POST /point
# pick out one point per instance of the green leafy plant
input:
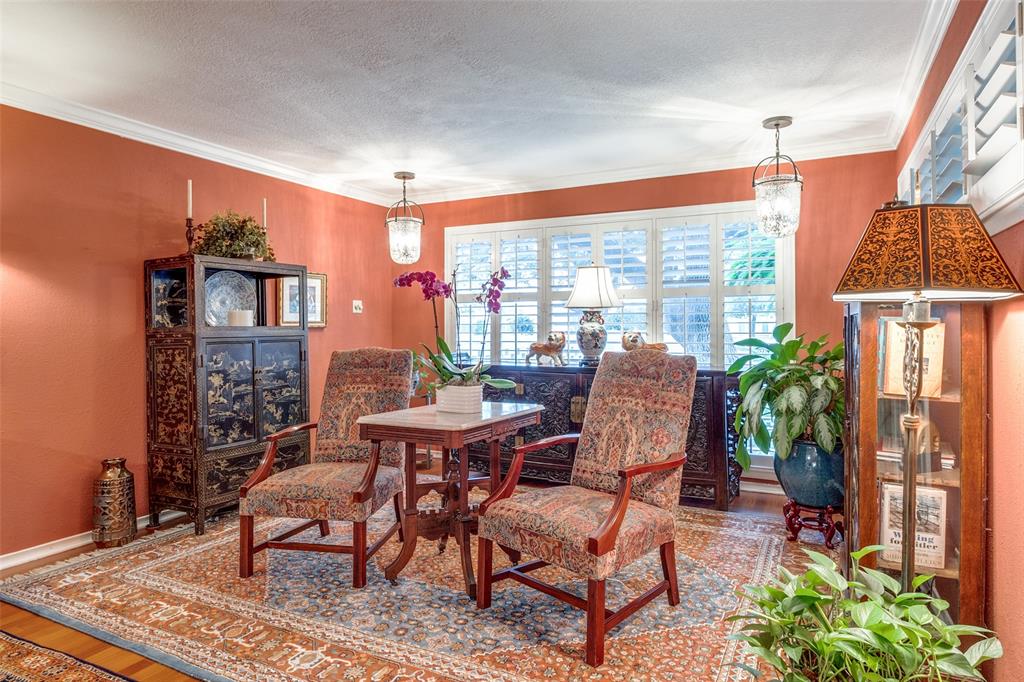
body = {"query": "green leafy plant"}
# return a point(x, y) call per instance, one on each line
point(440, 369)
point(230, 235)
point(818, 626)
point(799, 384)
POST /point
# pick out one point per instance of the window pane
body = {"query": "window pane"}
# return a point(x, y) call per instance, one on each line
point(518, 331)
point(568, 252)
point(568, 321)
point(472, 323)
point(747, 316)
point(686, 325)
point(632, 316)
point(519, 255)
point(625, 252)
point(686, 255)
point(474, 265)
point(748, 256)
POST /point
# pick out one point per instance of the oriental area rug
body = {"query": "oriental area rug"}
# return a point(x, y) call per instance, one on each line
point(23, 661)
point(176, 598)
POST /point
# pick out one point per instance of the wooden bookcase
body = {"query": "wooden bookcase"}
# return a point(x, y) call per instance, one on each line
point(952, 465)
point(214, 392)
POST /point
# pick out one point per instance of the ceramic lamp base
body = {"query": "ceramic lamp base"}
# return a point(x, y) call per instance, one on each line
point(591, 337)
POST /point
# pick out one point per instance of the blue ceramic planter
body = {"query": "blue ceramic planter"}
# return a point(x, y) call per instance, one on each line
point(811, 476)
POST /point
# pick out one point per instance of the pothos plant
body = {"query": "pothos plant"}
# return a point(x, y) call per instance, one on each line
point(799, 384)
point(441, 368)
point(231, 235)
point(819, 626)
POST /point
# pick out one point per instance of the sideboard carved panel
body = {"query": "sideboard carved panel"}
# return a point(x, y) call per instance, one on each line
point(711, 475)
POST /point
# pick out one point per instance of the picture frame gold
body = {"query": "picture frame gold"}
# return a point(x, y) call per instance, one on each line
point(316, 300)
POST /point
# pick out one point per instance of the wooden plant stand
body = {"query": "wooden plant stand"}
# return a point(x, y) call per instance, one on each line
point(820, 519)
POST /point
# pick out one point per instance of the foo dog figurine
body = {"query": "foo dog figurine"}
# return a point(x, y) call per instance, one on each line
point(552, 348)
point(635, 341)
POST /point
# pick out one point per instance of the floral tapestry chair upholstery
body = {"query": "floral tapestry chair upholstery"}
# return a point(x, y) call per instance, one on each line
point(347, 479)
point(620, 501)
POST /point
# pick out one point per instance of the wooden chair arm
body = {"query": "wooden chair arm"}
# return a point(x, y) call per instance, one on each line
point(602, 540)
point(266, 465)
point(548, 442)
point(509, 483)
point(366, 486)
point(637, 469)
point(511, 480)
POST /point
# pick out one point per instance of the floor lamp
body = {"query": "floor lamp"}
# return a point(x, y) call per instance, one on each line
point(915, 255)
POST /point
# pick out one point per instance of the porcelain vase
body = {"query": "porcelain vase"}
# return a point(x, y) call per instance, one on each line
point(811, 476)
point(461, 399)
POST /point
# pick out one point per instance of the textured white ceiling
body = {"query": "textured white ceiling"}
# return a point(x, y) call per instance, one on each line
point(482, 97)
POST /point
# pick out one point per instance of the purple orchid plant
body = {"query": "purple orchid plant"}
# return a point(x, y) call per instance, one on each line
point(447, 370)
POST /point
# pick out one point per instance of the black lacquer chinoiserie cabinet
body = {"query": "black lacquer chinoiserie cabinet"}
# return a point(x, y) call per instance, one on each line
point(214, 391)
point(711, 476)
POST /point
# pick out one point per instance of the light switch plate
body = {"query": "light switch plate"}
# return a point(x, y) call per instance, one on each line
point(357, 306)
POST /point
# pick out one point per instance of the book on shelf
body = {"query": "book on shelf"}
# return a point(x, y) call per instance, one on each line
point(933, 342)
point(931, 525)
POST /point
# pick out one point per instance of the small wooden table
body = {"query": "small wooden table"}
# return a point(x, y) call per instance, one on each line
point(453, 433)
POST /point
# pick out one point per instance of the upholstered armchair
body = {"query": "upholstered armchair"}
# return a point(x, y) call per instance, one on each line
point(622, 493)
point(347, 479)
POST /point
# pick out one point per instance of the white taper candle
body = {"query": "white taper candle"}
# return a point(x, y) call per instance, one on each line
point(189, 199)
point(264, 211)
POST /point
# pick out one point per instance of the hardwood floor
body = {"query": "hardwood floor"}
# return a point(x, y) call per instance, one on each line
point(47, 633)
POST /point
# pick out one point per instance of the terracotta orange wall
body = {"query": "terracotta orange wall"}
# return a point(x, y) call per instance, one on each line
point(840, 194)
point(1006, 465)
point(81, 210)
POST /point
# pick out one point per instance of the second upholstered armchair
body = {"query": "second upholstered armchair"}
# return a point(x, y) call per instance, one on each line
point(620, 503)
point(347, 479)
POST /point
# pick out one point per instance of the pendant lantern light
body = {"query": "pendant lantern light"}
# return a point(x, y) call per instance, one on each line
point(777, 193)
point(404, 225)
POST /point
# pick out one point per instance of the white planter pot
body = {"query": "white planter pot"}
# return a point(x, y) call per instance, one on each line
point(461, 399)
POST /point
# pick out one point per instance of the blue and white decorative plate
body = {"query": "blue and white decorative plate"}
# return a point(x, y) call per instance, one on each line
point(228, 290)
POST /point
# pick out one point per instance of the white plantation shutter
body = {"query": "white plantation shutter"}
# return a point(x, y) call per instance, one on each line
point(696, 278)
point(473, 263)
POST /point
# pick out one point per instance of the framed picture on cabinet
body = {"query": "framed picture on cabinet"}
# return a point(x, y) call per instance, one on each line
point(289, 300)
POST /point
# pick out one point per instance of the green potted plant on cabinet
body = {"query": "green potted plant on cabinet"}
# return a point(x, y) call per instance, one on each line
point(819, 626)
point(792, 401)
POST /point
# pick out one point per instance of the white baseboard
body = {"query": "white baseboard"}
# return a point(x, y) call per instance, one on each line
point(54, 547)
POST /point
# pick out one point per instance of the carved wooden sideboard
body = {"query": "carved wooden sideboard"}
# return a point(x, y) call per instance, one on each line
point(213, 393)
point(711, 477)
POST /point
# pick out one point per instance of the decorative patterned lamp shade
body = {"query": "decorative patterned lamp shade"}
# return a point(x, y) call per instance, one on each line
point(939, 251)
point(404, 225)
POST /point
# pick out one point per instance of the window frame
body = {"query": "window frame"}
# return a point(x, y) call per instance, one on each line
point(654, 293)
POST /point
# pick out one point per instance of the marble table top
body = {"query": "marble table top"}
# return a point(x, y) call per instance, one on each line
point(429, 418)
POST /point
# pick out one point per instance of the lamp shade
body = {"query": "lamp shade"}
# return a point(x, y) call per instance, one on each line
point(940, 251)
point(593, 289)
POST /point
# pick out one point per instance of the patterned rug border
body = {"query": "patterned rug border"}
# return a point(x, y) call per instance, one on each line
point(756, 528)
point(152, 653)
point(63, 654)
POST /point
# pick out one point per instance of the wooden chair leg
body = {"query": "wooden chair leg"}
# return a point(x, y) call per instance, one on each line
point(325, 528)
point(484, 559)
point(595, 622)
point(244, 546)
point(398, 516)
point(668, 567)
point(359, 554)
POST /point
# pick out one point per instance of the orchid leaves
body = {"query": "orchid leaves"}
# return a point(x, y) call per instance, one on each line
point(446, 372)
point(799, 384)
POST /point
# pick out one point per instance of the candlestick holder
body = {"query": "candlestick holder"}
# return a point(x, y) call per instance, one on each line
point(191, 231)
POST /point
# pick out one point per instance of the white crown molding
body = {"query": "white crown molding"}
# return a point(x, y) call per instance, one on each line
point(38, 103)
point(79, 114)
point(822, 150)
point(926, 45)
point(55, 547)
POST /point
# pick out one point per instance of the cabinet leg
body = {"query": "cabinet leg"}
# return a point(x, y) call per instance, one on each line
point(200, 521)
point(154, 520)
